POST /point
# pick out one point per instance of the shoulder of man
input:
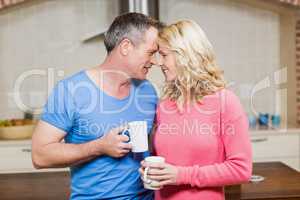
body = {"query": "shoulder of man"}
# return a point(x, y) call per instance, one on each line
point(78, 76)
point(68, 88)
point(145, 85)
point(145, 91)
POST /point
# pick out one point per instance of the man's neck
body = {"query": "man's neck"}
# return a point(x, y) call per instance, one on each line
point(111, 74)
point(110, 78)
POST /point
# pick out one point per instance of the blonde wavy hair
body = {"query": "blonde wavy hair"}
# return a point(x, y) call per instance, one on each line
point(197, 72)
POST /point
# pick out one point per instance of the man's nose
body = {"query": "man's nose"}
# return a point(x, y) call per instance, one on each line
point(153, 59)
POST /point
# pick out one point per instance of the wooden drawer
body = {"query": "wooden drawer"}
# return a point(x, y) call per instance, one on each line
point(275, 146)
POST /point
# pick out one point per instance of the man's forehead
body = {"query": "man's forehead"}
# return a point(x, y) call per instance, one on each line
point(152, 45)
point(151, 34)
point(150, 39)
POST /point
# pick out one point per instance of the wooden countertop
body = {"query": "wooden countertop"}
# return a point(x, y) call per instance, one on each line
point(34, 186)
point(281, 182)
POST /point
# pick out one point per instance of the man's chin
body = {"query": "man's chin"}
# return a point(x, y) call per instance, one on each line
point(138, 76)
point(141, 77)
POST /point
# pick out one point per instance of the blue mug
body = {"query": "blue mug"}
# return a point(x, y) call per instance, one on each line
point(252, 121)
point(263, 119)
point(276, 119)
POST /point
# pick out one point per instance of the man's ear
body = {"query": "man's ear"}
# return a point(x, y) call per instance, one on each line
point(125, 47)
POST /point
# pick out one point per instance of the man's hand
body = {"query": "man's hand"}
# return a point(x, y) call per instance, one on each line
point(113, 144)
point(48, 151)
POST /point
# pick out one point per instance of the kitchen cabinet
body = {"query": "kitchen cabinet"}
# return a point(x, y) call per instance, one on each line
point(272, 145)
point(16, 157)
point(267, 145)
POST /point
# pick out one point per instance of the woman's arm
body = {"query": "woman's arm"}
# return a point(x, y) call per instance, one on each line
point(236, 168)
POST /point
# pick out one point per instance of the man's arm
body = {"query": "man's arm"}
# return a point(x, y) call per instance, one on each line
point(48, 151)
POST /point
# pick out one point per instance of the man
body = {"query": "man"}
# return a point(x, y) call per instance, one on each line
point(88, 109)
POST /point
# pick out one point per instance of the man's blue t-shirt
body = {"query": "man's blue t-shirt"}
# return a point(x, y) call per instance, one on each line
point(81, 109)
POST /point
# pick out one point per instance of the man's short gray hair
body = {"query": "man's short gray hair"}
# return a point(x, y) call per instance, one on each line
point(131, 26)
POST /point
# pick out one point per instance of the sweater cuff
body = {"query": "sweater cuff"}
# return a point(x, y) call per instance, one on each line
point(182, 176)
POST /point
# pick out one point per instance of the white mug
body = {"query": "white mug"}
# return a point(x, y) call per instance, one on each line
point(138, 136)
point(148, 183)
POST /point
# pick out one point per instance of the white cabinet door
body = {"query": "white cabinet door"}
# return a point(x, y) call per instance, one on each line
point(275, 146)
point(14, 158)
point(283, 148)
point(17, 159)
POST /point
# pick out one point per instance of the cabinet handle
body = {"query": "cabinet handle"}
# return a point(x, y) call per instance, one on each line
point(259, 140)
point(26, 150)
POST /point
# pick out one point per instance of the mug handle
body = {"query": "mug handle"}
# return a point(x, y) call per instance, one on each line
point(126, 132)
point(146, 180)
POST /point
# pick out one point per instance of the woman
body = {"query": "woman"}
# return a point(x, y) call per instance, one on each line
point(202, 130)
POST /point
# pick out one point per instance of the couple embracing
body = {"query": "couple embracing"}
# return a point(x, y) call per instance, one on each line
point(198, 128)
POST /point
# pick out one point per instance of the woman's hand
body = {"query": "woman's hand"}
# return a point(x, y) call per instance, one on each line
point(164, 173)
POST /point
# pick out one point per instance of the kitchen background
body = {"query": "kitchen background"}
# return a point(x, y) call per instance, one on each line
point(255, 42)
point(50, 34)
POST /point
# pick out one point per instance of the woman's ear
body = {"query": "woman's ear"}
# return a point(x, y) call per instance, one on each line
point(125, 47)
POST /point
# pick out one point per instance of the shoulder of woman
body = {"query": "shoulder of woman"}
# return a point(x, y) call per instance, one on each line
point(231, 106)
point(166, 103)
point(228, 96)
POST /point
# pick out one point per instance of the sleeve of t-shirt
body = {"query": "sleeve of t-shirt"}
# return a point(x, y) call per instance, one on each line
point(59, 109)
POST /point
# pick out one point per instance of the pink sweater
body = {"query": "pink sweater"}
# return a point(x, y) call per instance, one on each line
point(208, 156)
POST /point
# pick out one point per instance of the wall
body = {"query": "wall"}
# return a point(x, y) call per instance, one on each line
point(47, 34)
point(7, 3)
point(246, 36)
point(288, 59)
point(287, 87)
